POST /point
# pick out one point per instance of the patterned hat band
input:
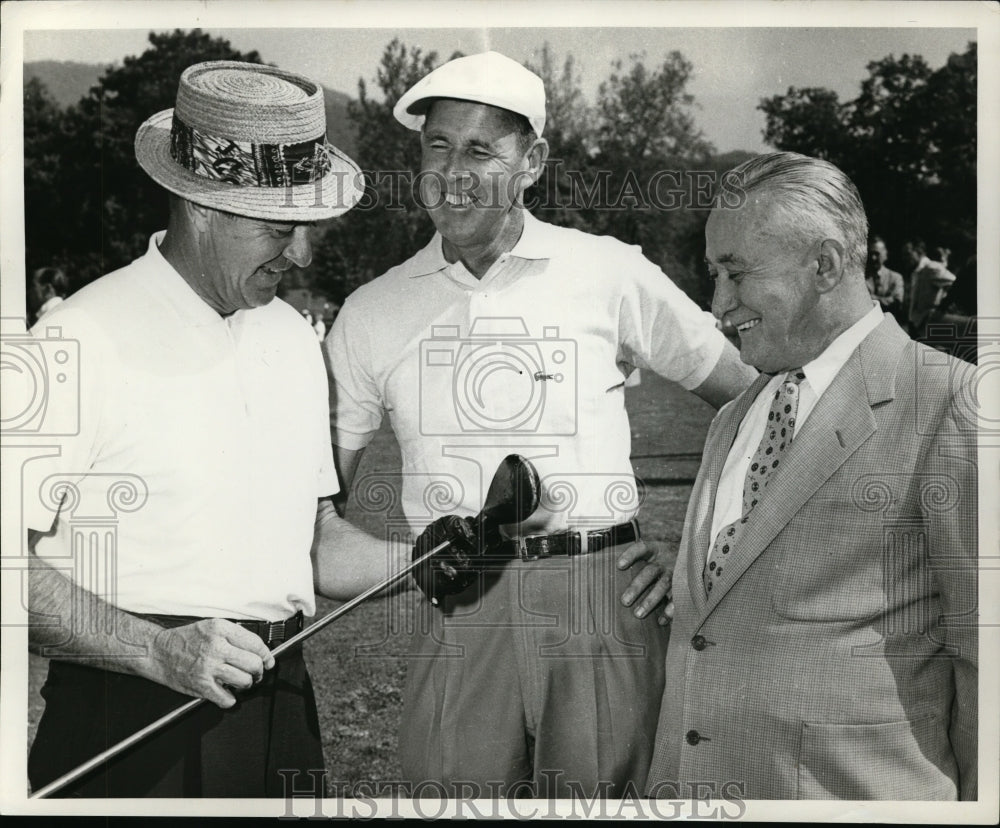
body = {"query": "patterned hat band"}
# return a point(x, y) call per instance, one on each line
point(245, 163)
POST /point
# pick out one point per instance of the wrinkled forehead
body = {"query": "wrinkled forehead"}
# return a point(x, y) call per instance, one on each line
point(754, 215)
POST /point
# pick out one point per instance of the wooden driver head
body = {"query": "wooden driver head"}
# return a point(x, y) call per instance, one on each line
point(515, 491)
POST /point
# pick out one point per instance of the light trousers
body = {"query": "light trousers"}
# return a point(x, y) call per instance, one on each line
point(536, 681)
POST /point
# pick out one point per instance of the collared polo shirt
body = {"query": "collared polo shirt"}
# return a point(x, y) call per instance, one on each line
point(530, 359)
point(820, 373)
point(199, 451)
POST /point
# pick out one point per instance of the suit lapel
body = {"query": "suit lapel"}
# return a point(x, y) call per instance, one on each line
point(841, 421)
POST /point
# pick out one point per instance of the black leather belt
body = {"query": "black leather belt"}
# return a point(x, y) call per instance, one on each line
point(532, 547)
point(272, 633)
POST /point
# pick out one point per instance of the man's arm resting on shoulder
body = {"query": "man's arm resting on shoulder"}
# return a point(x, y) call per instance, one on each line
point(729, 378)
point(203, 659)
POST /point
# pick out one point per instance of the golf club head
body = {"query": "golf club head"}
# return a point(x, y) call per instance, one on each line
point(515, 491)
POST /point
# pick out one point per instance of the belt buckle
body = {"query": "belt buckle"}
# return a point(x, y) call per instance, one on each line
point(275, 632)
point(525, 554)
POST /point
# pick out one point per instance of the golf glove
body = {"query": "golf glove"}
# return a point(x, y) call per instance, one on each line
point(456, 566)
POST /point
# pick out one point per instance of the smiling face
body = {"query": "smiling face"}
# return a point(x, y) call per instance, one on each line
point(474, 168)
point(765, 286)
point(242, 259)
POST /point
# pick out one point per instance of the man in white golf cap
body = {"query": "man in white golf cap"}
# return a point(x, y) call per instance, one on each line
point(506, 334)
point(202, 425)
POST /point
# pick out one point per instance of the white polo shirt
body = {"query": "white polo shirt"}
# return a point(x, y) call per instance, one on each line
point(202, 447)
point(532, 359)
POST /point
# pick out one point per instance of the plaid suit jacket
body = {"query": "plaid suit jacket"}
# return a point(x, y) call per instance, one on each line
point(838, 656)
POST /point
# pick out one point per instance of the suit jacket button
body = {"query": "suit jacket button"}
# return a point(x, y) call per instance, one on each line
point(692, 737)
point(698, 642)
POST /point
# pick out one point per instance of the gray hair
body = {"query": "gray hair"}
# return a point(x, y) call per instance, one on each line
point(816, 198)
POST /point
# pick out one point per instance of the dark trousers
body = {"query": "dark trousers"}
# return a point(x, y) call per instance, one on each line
point(209, 752)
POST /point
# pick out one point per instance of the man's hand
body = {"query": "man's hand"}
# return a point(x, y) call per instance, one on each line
point(652, 583)
point(455, 567)
point(210, 658)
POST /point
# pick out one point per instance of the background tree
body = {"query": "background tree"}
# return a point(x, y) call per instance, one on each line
point(570, 133)
point(632, 164)
point(387, 226)
point(47, 207)
point(647, 139)
point(811, 119)
point(908, 140)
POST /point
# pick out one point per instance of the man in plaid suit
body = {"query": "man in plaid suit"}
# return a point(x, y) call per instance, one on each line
point(824, 641)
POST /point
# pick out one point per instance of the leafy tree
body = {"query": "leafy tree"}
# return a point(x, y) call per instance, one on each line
point(43, 147)
point(810, 119)
point(569, 132)
point(654, 155)
point(112, 205)
point(908, 141)
point(647, 114)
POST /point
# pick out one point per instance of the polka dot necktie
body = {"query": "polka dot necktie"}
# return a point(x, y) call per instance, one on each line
point(777, 437)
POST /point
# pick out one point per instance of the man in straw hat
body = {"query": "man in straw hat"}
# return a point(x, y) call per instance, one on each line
point(506, 334)
point(202, 423)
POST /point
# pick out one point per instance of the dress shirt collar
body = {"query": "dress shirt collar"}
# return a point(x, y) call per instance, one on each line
point(821, 371)
point(535, 243)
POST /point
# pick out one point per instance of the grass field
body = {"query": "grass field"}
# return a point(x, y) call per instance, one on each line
point(357, 665)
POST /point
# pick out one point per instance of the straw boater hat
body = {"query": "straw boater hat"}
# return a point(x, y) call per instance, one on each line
point(489, 78)
point(249, 139)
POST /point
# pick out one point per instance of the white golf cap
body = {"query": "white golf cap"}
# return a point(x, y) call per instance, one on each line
point(488, 78)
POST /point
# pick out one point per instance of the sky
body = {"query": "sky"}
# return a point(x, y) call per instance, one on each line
point(733, 68)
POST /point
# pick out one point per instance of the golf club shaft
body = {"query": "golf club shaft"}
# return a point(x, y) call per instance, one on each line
point(347, 606)
point(114, 750)
point(187, 707)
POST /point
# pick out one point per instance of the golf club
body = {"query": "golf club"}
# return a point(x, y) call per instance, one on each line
point(512, 497)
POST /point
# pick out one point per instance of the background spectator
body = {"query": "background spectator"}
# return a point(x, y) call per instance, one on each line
point(884, 284)
point(49, 286)
point(929, 284)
